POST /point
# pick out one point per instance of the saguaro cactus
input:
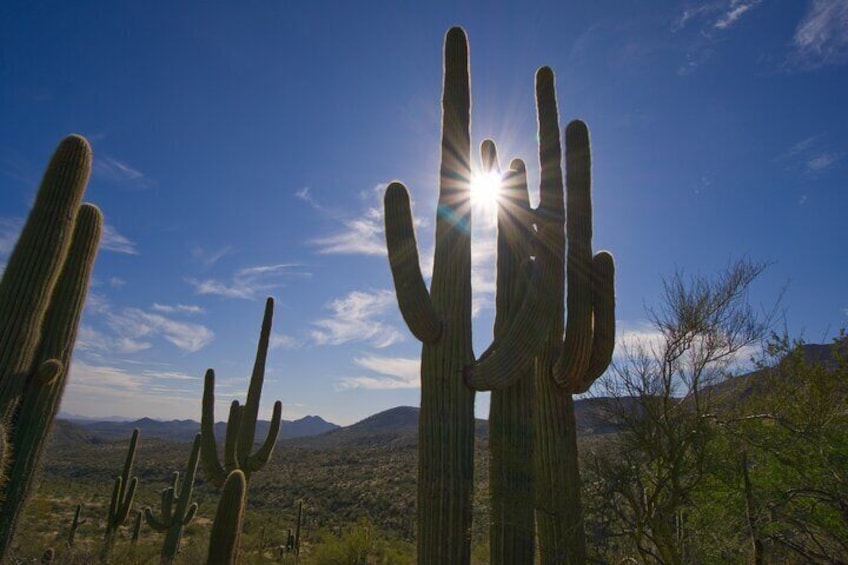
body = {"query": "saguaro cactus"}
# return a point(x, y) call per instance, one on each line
point(566, 365)
point(75, 524)
point(241, 424)
point(175, 518)
point(41, 300)
point(512, 522)
point(123, 494)
point(226, 529)
point(441, 319)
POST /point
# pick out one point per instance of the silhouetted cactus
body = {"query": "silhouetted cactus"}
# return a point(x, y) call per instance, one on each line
point(75, 524)
point(241, 424)
point(136, 531)
point(175, 518)
point(41, 299)
point(570, 364)
point(226, 529)
point(441, 319)
point(121, 502)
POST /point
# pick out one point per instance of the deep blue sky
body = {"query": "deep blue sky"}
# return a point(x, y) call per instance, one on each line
point(241, 151)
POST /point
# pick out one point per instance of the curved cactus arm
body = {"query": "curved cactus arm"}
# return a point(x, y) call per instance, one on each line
point(226, 529)
point(168, 496)
point(414, 301)
point(258, 460)
point(212, 467)
point(128, 501)
point(234, 421)
point(190, 513)
point(573, 360)
point(114, 504)
point(603, 307)
point(250, 412)
point(154, 522)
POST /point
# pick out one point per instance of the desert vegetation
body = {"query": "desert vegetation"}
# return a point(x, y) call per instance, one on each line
point(685, 461)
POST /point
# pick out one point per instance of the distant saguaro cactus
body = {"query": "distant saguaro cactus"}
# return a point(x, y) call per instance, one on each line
point(121, 502)
point(226, 529)
point(241, 424)
point(75, 524)
point(567, 365)
point(41, 300)
point(441, 319)
point(175, 518)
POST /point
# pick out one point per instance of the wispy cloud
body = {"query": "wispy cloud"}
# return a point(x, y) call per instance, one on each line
point(284, 341)
point(821, 37)
point(359, 235)
point(393, 373)
point(734, 12)
point(117, 282)
point(112, 170)
point(813, 156)
point(111, 240)
point(208, 258)
point(177, 308)
point(357, 317)
point(251, 282)
point(131, 330)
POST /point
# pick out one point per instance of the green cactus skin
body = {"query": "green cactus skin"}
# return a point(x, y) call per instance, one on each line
point(441, 319)
point(175, 518)
point(241, 424)
point(566, 365)
point(226, 529)
point(123, 494)
point(75, 524)
point(136, 531)
point(41, 301)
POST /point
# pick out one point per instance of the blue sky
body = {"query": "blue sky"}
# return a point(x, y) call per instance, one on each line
point(241, 151)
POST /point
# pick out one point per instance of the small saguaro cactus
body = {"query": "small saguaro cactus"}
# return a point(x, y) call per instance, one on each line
point(566, 365)
point(41, 300)
point(226, 529)
point(241, 424)
point(75, 524)
point(441, 319)
point(176, 517)
point(136, 531)
point(123, 494)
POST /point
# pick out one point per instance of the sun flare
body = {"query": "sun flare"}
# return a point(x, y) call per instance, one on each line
point(485, 188)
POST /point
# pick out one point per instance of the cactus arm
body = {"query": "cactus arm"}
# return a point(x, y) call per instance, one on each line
point(168, 495)
point(258, 460)
point(231, 462)
point(154, 522)
point(190, 513)
point(573, 360)
point(35, 265)
point(113, 505)
point(414, 301)
point(603, 307)
point(226, 528)
point(128, 501)
point(250, 413)
point(212, 467)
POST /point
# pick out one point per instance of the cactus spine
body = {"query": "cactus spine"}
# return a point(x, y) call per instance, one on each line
point(175, 518)
point(441, 319)
point(122, 498)
point(226, 529)
point(41, 300)
point(241, 424)
point(567, 365)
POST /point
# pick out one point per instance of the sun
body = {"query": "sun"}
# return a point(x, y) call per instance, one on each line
point(485, 189)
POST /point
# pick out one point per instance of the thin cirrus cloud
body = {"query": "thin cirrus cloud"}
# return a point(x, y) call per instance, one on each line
point(812, 156)
point(720, 15)
point(111, 240)
point(821, 37)
point(392, 373)
point(119, 172)
point(177, 308)
point(249, 283)
point(357, 317)
point(130, 330)
point(361, 235)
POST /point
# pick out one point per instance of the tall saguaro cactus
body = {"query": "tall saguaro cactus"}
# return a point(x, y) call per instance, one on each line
point(123, 494)
point(176, 517)
point(41, 301)
point(241, 425)
point(568, 364)
point(441, 319)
